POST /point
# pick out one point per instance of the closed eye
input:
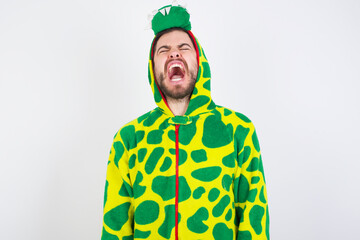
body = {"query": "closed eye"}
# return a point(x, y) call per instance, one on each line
point(184, 46)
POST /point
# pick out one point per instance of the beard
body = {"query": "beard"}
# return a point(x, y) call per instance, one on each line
point(179, 92)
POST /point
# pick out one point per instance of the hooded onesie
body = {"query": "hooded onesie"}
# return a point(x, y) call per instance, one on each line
point(196, 176)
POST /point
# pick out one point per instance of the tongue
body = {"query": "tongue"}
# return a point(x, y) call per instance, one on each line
point(176, 77)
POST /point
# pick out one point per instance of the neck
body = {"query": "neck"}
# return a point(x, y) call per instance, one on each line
point(178, 106)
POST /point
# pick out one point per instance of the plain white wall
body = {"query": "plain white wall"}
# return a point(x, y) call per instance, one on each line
point(73, 72)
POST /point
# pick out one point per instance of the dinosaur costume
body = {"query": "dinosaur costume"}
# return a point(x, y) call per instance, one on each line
point(197, 176)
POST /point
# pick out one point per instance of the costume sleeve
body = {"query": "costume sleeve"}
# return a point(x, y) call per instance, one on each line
point(118, 199)
point(252, 217)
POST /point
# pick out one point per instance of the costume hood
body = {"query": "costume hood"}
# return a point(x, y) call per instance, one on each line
point(200, 101)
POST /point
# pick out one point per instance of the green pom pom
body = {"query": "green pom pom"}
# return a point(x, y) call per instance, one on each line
point(169, 17)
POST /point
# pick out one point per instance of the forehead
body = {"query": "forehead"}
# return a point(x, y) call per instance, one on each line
point(175, 37)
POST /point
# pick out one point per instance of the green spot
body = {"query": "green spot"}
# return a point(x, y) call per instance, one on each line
point(169, 222)
point(239, 216)
point(106, 189)
point(206, 70)
point(195, 222)
point(127, 134)
point(215, 133)
point(107, 236)
point(255, 142)
point(229, 160)
point(197, 103)
point(164, 187)
point(262, 195)
point(146, 212)
point(254, 165)
point(228, 215)
point(138, 190)
point(187, 132)
point(211, 106)
point(141, 234)
point(256, 214)
point(132, 161)
point(166, 164)
point(221, 232)
point(243, 117)
point(226, 182)
point(143, 117)
point(255, 180)
point(171, 135)
point(227, 112)
point(199, 47)
point(241, 189)
point(117, 217)
point(153, 159)
point(252, 195)
point(126, 190)
point(199, 155)
point(261, 169)
point(207, 85)
point(164, 124)
point(130, 237)
point(220, 207)
point(244, 155)
point(152, 118)
point(184, 189)
point(141, 154)
point(119, 151)
point(198, 192)
point(207, 174)
point(182, 155)
point(155, 137)
point(195, 91)
point(240, 135)
point(157, 95)
point(139, 136)
point(213, 194)
point(244, 235)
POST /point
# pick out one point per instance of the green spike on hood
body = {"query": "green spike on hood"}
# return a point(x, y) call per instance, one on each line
point(200, 101)
point(170, 16)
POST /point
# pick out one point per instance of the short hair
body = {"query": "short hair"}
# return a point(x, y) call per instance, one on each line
point(159, 35)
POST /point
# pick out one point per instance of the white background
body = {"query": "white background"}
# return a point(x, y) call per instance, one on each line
point(73, 72)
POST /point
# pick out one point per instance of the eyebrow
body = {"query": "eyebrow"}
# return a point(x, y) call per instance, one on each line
point(167, 47)
point(163, 46)
point(184, 44)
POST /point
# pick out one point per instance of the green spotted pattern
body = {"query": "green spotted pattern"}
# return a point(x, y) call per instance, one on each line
point(195, 222)
point(207, 174)
point(198, 192)
point(115, 218)
point(146, 212)
point(219, 209)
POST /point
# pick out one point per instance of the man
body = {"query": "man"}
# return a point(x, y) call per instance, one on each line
point(188, 169)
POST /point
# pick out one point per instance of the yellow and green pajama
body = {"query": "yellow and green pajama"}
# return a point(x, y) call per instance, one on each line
point(197, 176)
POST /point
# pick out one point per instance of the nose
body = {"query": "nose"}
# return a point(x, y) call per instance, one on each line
point(174, 54)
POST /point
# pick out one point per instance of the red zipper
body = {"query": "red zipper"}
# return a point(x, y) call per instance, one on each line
point(177, 180)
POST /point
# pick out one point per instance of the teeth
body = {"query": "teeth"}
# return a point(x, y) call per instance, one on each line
point(175, 79)
point(176, 65)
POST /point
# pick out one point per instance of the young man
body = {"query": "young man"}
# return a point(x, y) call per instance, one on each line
point(188, 169)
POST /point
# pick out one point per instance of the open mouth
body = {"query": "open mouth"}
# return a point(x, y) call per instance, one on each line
point(176, 71)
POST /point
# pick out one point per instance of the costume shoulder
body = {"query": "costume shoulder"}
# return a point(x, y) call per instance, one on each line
point(133, 131)
point(233, 116)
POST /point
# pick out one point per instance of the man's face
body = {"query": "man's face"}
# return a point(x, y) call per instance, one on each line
point(175, 64)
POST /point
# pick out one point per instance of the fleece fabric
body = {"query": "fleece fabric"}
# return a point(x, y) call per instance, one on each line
point(197, 176)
